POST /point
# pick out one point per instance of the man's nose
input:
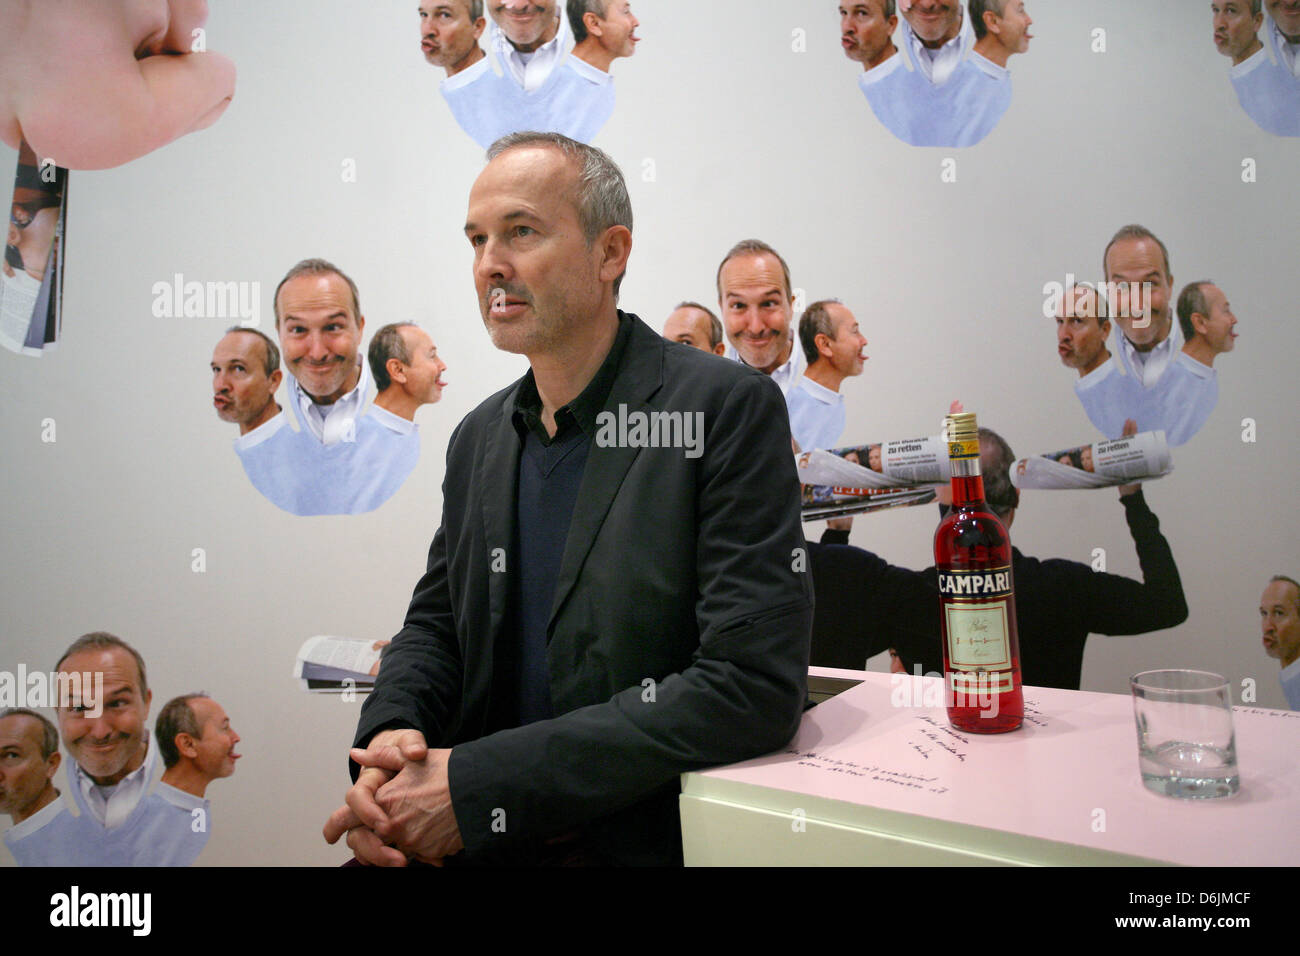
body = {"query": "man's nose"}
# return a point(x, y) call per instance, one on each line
point(492, 262)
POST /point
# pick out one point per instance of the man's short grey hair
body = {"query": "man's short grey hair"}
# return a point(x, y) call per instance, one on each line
point(475, 9)
point(317, 267)
point(578, 8)
point(977, 9)
point(715, 324)
point(272, 361)
point(816, 320)
point(176, 717)
point(49, 733)
point(1134, 231)
point(1291, 581)
point(102, 641)
point(388, 343)
point(602, 198)
point(1190, 302)
point(754, 247)
point(1256, 7)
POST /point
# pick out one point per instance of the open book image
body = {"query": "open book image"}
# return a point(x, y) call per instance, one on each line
point(332, 665)
point(31, 276)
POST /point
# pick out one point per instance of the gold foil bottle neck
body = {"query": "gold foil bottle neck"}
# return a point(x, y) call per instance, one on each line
point(961, 427)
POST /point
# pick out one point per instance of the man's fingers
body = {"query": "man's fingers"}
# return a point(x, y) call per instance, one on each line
point(381, 758)
point(369, 848)
point(340, 822)
point(361, 800)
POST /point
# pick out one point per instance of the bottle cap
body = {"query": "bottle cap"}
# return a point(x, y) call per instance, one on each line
point(963, 435)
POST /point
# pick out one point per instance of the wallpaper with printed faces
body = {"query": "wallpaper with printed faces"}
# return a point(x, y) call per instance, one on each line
point(217, 474)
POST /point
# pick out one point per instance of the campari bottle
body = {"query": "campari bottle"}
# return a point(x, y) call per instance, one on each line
point(972, 553)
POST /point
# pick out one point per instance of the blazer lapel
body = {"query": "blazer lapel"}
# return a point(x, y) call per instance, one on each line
point(639, 377)
point(498, 494)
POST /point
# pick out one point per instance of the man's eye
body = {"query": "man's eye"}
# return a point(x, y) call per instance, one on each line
point(524, 230)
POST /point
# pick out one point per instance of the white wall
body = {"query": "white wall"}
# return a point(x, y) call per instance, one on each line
point(746, 138)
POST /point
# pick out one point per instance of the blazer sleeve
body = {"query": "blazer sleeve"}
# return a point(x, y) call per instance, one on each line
point(743, 691)
point(419, 680)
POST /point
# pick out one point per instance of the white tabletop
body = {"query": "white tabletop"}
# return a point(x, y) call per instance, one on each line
point(1069, 776)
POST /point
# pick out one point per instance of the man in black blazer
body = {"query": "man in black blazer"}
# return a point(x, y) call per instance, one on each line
point(618, 592)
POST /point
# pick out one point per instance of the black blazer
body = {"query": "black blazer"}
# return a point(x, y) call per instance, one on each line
point(680, 628)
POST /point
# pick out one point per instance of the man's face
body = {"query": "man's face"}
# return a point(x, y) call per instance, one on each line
point(33, 242)
point(524, 22)
point(848, 347)
point(691, 327)
point(1286, 14)
point(1080, 334)
point(933, 20)
point(618, 29)
point(216, 746)
point(1014, 27)
point(538, 280)
point(105, 746)
point(1279, 619)
point(1218, 327)
point(1235, 30)
point(319, 333)
point(447, 34)
point(864, 31)
point(23, 772)
point(1129, 264)
point(756, 309)
point(424, 375)
point(241, 389)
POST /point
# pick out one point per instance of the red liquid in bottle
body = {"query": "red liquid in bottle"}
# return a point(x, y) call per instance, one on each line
point(981, 651)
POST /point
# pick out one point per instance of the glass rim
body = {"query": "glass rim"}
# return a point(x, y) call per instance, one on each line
point(1214, 681)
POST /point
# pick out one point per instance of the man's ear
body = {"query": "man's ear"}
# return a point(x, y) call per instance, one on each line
point(479, 26)
point(52, 764)
point(396, 371)
point(185, 745)
point(720, 348)
point(1199, 323)
point(616, 247)
point(991, 22)
point(592, 23)
point(276, 378)
point(823, 343)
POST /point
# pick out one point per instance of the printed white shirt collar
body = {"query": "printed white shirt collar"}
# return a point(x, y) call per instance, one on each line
point(819, 391)
point(1250, 64)
point(262, 432)
point(40, 818)
point(530, 70)
point(787, 375)
point(112, 805)
point(331, 424)
point(180, 798)
point(1147, 367)
point(468, 75)
point(392, 422)
point(937, 66)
